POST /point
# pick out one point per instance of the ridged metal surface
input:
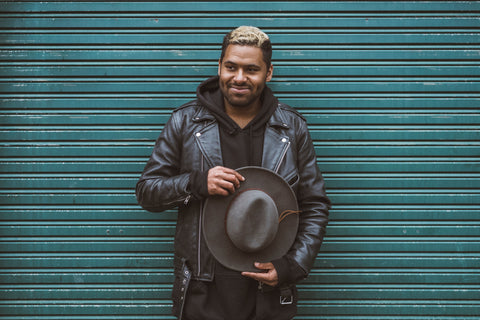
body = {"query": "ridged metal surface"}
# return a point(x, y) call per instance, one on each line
point(391, 94)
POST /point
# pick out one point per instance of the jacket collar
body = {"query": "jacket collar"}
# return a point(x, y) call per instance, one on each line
point(277, 120)
point(202, 114)
point(276, 142)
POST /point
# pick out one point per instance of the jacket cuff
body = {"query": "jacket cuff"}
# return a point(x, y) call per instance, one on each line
point(288, 271)
point(198, 184)
point(282, 267)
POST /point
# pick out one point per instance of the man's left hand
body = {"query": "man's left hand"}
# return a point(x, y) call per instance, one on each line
point(269, 275)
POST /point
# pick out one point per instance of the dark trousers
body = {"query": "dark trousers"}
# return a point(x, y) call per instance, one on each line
point(231, 296)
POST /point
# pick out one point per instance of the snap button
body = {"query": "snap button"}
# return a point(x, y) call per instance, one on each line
point(198, 134)
point(284, 140)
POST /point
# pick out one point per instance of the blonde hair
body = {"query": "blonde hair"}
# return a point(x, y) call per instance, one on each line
point(249, 36)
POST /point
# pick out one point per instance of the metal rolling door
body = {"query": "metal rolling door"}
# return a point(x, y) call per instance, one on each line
point(391, 94)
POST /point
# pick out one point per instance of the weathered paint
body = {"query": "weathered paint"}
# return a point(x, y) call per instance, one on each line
point(391, 94)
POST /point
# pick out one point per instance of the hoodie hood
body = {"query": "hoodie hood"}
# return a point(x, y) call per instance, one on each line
point(210, 95)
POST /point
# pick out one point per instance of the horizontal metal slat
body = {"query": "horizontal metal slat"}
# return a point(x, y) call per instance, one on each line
point(340, 197)
point(314, 71)
point(393, 308)
point(358, 212)
point(154, 121)
point(376, 149)
point(334, 181)
point(386, 292)
point(199, 54)
point(425, 229)
point(44, 261)
point(87, 294)
point(132, 133)
point(20, 87)
point(320, 277)
point(305, 104)
point(75, 212)
point(258, 6)
point(339, 164)
point(325, 293)
point(193, 37)
point(95, 307)
point(47, 261)
point(221, 20)
point(157, 244)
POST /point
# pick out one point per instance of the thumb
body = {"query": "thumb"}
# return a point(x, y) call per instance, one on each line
point(263, 266)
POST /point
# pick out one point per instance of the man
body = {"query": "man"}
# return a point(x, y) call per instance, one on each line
point(236, 121)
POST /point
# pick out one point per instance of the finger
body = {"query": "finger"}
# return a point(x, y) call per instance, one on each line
point(223, 173)
point(255, 275)
point(215, 182)
point(238, 176)
point(266, 278)
point(226, 185)
point(216, 191)
point(223, 181)
point(220, 187)
point(264, 265)
point(233, 176)
point(268, 272)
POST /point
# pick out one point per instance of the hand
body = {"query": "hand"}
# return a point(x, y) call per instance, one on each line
point(223, 181)
point(269, 276)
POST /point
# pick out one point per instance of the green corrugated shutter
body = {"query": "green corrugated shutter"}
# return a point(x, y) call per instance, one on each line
point(391, 94)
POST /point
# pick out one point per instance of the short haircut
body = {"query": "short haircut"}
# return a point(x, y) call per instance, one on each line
point(249, 36)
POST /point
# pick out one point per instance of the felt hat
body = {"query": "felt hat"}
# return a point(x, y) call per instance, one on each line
point(257, 223)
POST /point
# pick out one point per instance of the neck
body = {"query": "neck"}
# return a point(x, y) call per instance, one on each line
point(243, 115)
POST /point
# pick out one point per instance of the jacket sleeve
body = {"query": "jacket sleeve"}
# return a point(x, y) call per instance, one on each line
point(313, 203)
point(162, 186)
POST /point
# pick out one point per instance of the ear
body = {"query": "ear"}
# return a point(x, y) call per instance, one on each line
point(219, 66)
point(269, 73)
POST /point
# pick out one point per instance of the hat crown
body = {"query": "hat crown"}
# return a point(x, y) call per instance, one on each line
point(251, 222)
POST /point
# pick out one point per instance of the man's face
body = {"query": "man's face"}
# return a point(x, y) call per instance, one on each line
point(243, 75)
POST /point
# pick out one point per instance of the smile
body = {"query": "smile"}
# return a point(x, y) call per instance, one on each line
point(239, 90)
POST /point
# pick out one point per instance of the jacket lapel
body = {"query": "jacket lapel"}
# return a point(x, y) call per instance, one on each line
point(276, 142)
point(208, 138)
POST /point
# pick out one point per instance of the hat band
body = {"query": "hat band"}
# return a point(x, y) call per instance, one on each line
point(286, 213)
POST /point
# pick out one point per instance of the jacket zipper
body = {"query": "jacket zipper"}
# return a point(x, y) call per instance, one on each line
point(200, 220)
point(284, 152)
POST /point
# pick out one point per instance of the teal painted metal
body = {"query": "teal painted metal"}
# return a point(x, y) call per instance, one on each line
point(392, 96)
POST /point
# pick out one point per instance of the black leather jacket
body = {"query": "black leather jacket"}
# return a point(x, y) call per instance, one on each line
point(190, 141)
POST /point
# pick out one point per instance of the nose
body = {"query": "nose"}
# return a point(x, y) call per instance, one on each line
point(239, 76)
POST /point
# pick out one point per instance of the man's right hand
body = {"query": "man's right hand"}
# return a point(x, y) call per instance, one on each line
point(223, 181)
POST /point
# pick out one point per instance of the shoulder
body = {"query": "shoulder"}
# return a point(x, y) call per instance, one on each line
point(290, 111)
point(292, 117)
point(186, 112)
point(189, 107)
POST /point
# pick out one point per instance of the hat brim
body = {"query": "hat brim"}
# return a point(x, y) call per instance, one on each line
point(215, 209)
